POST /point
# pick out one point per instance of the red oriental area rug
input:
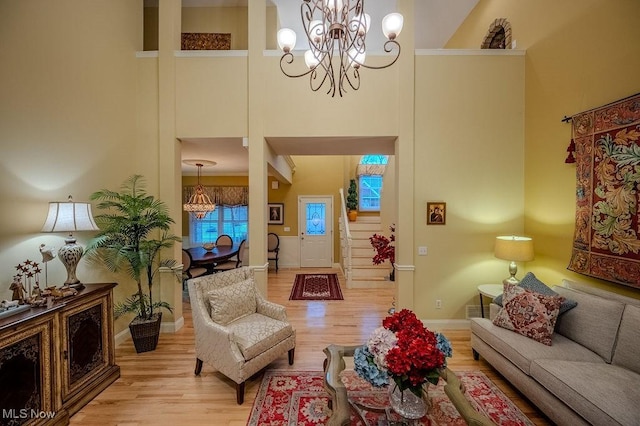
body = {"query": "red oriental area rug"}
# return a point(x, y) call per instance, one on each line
point(316, 287)
point(297, 398)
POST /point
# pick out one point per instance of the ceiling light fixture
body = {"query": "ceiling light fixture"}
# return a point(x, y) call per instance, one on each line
point(337, 26)
point(199, 204)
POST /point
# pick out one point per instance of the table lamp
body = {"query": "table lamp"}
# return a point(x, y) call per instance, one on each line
point(70, 217)
point(514, 249)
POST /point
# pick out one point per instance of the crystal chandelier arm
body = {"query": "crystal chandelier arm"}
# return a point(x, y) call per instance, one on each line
point(354, 80)
point(288, 58)
point(388, 47)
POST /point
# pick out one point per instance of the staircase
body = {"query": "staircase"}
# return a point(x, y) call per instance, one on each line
point(363, 273)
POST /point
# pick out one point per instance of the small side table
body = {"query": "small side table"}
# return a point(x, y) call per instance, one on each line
point(489, 290)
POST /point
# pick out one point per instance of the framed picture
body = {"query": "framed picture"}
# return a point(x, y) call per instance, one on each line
point(436, 213)
point(276, 214)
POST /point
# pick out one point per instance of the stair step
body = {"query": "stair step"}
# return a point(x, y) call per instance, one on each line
point(362, 261)
point(354, 226)
point(357, 273)
point(367, 219)
point(361, 243)
point(358, 251)
point(372, 282)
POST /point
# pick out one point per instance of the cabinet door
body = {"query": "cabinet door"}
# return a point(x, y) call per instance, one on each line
point(26, 374)
point(85, 344)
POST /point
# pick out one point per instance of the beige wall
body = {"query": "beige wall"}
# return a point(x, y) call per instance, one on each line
point(580, 55)
point(68, 122)
point(218, 20)
point(292, 109)
point(211, 20)
point(211, 97)
point(469, 154)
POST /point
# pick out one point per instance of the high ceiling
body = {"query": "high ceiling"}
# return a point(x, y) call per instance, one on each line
point(436, 21)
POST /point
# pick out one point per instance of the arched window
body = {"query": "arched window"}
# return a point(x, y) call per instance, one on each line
point(370, 172)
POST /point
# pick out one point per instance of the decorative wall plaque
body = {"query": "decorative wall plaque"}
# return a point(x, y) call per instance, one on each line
point(206, 41)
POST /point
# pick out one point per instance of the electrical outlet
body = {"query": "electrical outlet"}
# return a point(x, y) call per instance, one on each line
point(422, 251)
point(438, 304)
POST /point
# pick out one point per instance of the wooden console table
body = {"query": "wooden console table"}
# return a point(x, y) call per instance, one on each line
point(55, 359)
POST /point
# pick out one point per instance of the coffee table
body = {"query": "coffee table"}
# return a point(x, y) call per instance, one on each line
point(342, 406)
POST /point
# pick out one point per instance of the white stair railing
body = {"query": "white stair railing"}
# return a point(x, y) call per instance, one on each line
point(345, 240)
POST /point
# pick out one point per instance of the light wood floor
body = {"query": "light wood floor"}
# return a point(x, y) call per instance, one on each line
point(159, 387)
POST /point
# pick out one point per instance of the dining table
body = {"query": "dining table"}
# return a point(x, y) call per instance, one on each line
point(208, 258)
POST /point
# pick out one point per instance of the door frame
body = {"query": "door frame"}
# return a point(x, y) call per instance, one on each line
point(330, 225)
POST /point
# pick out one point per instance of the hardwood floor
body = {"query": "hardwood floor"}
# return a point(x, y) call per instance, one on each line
point(160, 388)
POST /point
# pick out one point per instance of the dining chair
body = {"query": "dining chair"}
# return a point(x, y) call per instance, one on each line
point(273, 247)
point(224, 240)
point(233, 262)
point(188, 269)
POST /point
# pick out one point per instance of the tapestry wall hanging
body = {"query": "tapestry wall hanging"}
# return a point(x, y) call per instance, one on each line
point(607, 231)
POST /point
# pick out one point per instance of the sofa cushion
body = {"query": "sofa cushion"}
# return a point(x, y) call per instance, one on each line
point(593, 323)
point(521, 350)
point(530, 314)
point(233, 301)
point(531, 282)
point(603, 394)
point(256, 333)
point(628, 344)
point(585, 288)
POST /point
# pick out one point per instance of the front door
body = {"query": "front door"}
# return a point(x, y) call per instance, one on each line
point(315, 225)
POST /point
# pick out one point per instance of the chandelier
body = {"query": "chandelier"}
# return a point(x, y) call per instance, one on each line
point(199, 204)
point(337, 27)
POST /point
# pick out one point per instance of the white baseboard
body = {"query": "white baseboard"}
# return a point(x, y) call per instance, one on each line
point(165, 327)
point(172, 327)
point(449, 324)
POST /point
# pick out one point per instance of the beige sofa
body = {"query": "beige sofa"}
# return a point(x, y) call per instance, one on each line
point(591, 372)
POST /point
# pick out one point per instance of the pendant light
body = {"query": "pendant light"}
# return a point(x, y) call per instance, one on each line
point(199, 204)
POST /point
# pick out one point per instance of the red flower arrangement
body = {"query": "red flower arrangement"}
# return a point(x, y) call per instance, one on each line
point(384, 247)
point(416, 356)
point(404, 350)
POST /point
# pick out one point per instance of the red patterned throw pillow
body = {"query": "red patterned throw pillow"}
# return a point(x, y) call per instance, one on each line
point(528, 313)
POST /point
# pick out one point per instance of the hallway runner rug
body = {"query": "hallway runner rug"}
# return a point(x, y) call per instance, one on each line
point(316, 287)
point(298, 398)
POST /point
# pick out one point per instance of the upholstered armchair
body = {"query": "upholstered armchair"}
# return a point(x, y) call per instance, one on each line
point(237, 331)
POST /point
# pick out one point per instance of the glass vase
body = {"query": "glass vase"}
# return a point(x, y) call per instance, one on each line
point(406, 403)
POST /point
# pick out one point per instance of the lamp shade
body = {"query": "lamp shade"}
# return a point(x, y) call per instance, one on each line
point(69, 216)
point(392, 25)
point(310, 59)
point(286, 39)
point(513, 248)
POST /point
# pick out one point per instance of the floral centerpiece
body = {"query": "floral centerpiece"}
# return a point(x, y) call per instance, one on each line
point(405, 351)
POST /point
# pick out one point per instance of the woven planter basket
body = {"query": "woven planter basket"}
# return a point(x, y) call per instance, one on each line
point(145, 333)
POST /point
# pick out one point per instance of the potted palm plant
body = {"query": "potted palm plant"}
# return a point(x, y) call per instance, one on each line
point(352, 201)
point(133, 231)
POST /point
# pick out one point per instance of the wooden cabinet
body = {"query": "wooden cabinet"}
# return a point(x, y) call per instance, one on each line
point(55, 359)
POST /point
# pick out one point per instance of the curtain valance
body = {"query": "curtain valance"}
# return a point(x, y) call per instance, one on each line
point(222, 195)
point(370, 169)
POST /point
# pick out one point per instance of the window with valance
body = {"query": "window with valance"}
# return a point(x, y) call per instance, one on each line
point(230, 217)
point(370, 172)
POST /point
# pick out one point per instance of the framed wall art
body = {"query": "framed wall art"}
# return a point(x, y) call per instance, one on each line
point(436, 213)
point(276, 214)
